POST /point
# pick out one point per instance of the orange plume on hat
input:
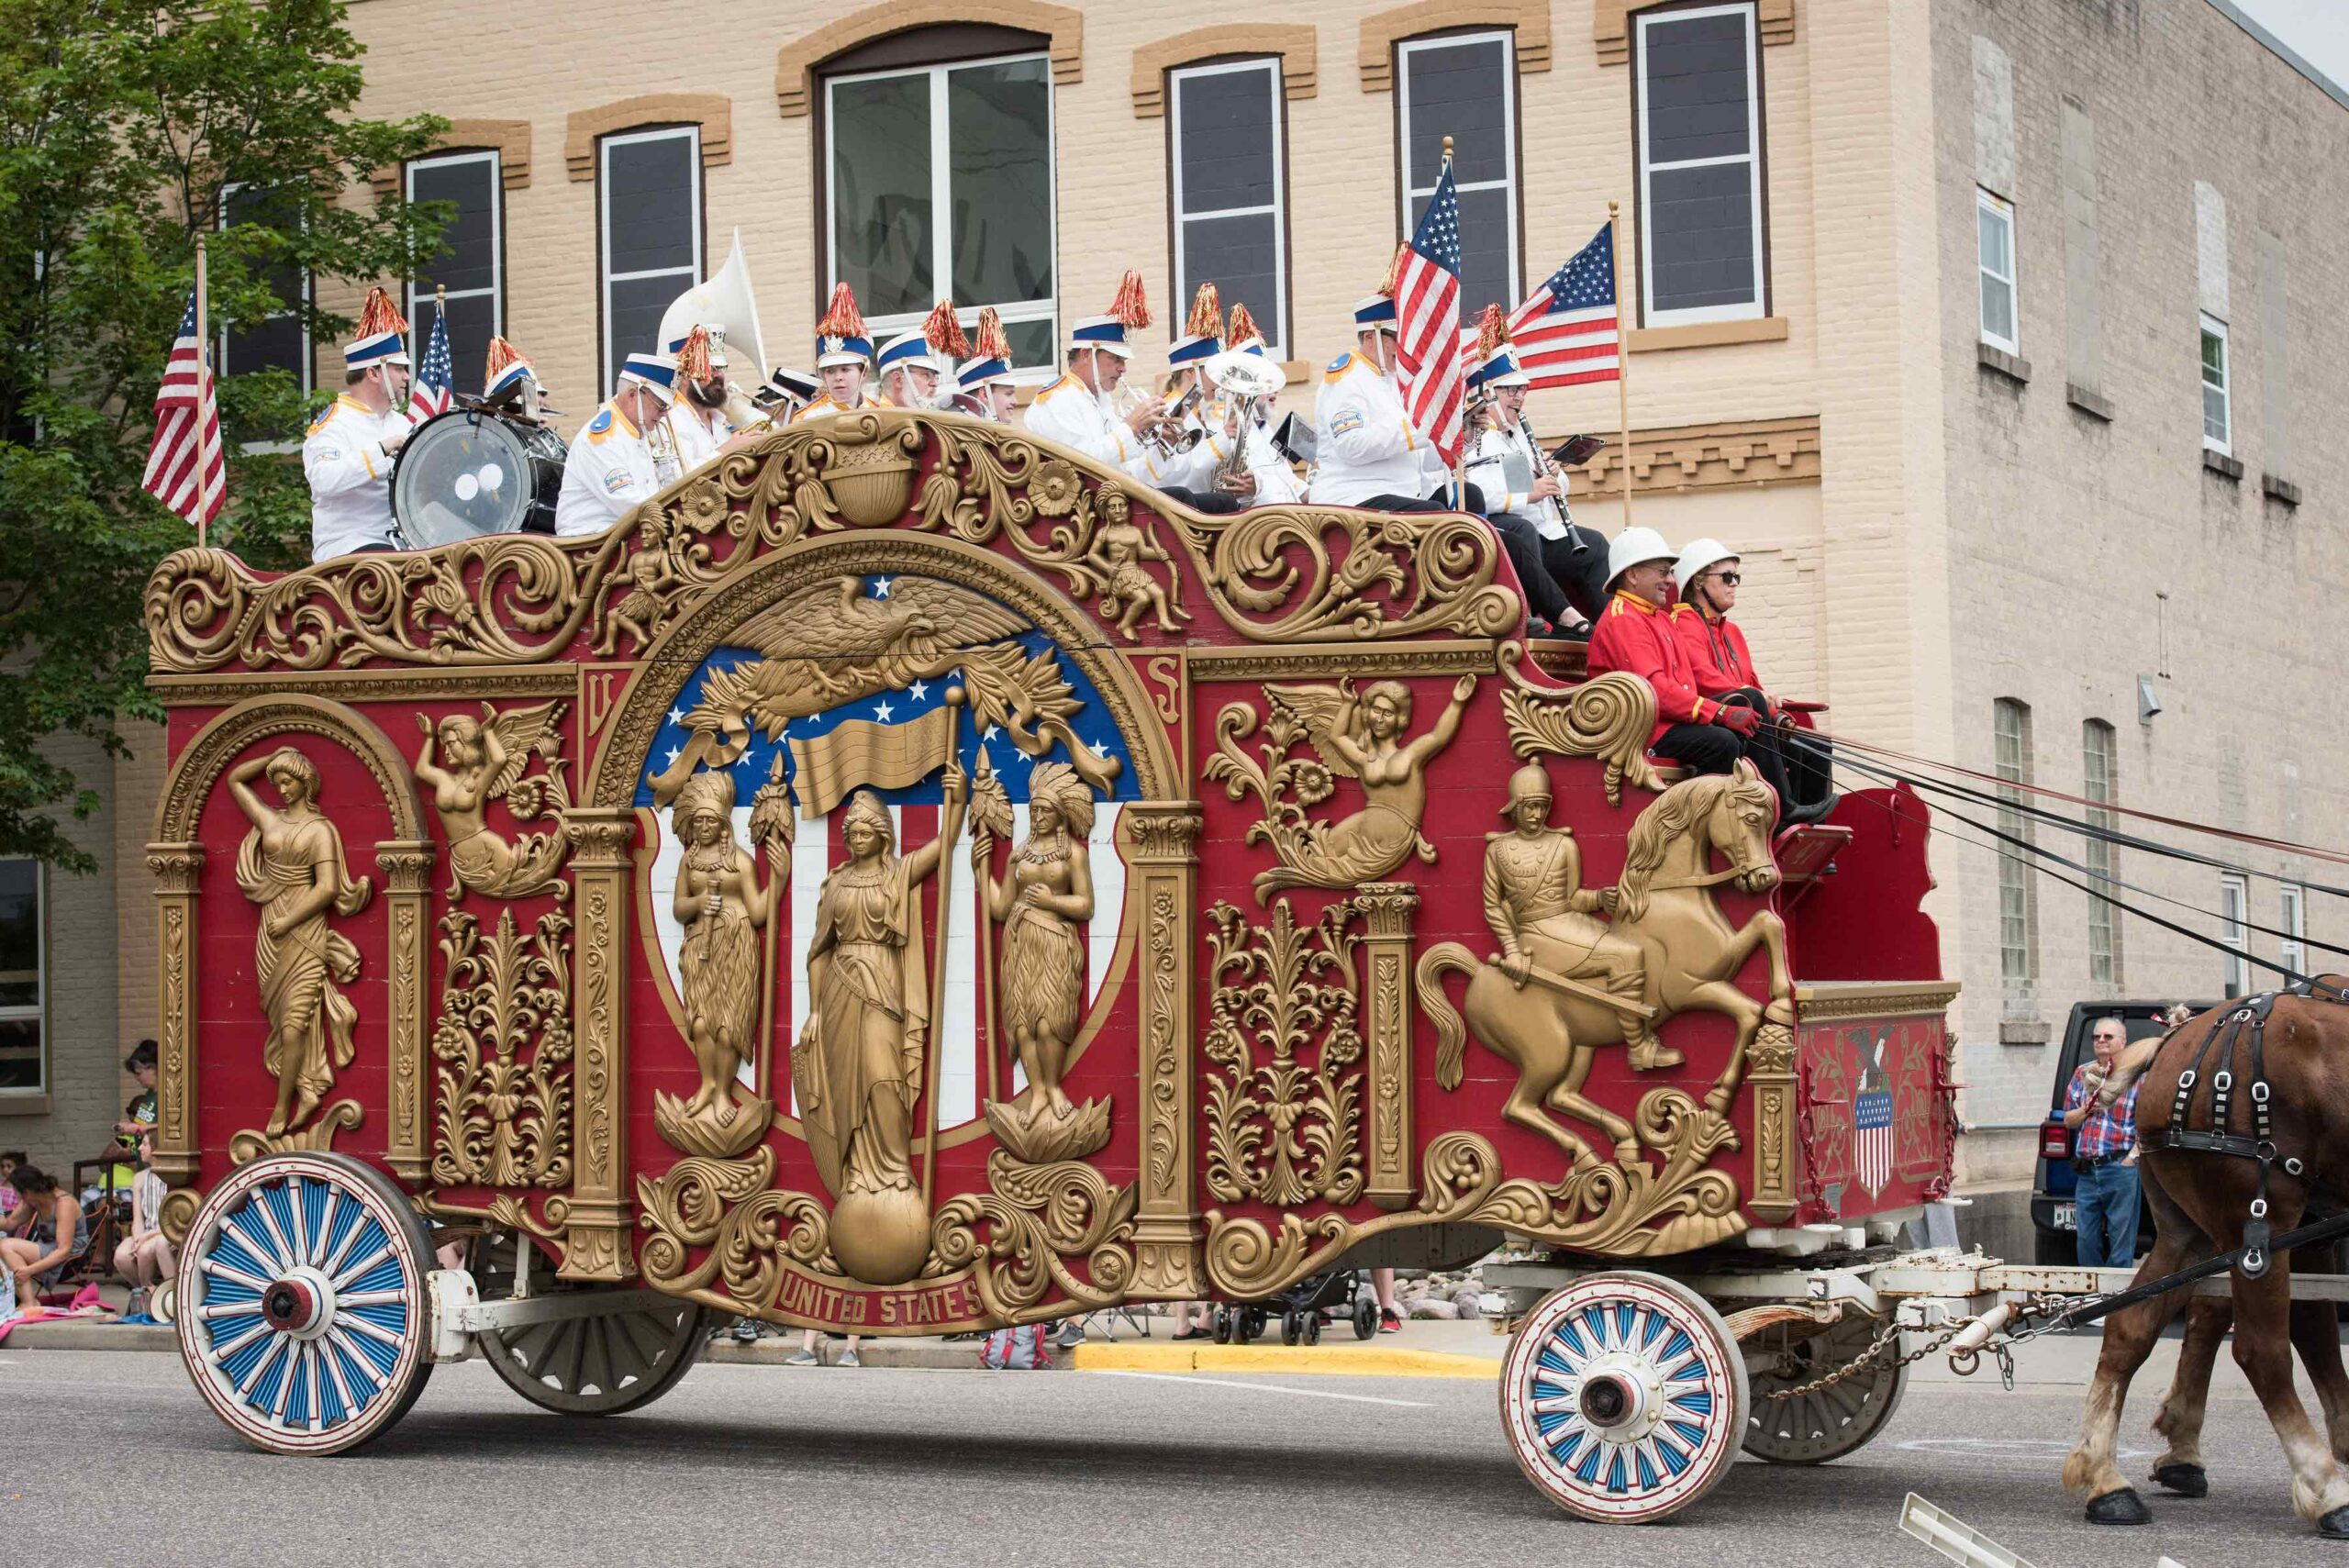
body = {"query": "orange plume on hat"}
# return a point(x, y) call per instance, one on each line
point(1492, 333)
point(1131, 306)
point(1395, 271)
point(693, 356)
point(992, 342)
point(1243, 327)
point(1207, 314)
point(502, 356)
point(944, 331)
point(380, 314)
point(841, 319)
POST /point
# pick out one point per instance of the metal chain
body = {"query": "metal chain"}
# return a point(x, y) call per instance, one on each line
point(1876, 1347)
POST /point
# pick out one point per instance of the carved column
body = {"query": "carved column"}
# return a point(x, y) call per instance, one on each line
point(1165, 836)
point(175, 868)
point(1387, 908)
point(1770, 1074)
point(599, 1215)
point(407, 865)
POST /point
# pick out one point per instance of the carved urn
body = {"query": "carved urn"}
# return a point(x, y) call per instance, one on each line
point(872, 468)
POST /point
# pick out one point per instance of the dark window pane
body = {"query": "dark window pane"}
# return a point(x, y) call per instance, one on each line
point(468, 258)
point(1486, 250)
point(20, 1054)
point(1693, 89)
point(880, 192)
point(19, 933)
point(649, 200)
point(1001, 172)
point(274, 345)
point(472, 320)
point(1034, 344)
point(1459, 91)
point(636, 307)
point(1226, 140)
point(1239, 255)
point(1700, 235)
point(252, 203)
point(278, 344)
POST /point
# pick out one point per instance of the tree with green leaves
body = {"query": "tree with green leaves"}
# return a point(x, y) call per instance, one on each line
point(123, 129)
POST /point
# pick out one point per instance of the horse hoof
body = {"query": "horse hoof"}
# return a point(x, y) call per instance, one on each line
point(2186, 1480)
point(2121, 1506)
point(2335, 1526)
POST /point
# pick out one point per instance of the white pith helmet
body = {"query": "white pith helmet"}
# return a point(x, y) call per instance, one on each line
point(1632, 546)
point(1701, 554)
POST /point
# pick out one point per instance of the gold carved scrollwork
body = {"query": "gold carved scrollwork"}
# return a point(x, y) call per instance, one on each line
point(503, 1121)
point(1162, 839)
point(176, 867)
point(1608, 716)
point(408, 887)
point(751, 1230)
point(1770, 1070)
point(1279, 1131)
point(1016, 1236)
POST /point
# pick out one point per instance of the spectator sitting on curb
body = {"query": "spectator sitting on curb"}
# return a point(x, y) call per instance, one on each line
point(60, 1229)
point(138, 1115)
point(9, 1160)
point(144, 1258)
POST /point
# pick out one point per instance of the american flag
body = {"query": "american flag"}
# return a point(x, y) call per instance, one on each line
point(187, 469)
point(1568, 332)
point(427, 395)
point(1427, 309)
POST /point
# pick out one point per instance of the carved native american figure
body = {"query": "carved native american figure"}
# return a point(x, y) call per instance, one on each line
point(292, 864)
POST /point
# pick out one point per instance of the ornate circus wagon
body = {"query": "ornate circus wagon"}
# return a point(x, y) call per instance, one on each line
point(905, 879)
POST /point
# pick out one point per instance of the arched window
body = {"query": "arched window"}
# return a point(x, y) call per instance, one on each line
point(935, 177)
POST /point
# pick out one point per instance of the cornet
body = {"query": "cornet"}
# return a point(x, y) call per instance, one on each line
point(1165, 434)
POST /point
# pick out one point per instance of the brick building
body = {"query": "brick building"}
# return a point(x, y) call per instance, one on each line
point(1999, 338)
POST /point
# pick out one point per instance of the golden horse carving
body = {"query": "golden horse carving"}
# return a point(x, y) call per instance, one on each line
point(1663, 903)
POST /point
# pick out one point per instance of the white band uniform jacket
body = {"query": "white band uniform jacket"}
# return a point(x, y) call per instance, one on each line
point(824, 407)
point(1074, 415)
point(1503, 464)
point(1364, 444)
point(696, 442)
point(609, 470)
point(1276, 483)
point(351, 478)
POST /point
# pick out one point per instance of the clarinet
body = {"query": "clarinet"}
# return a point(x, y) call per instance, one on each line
point(1557, 504)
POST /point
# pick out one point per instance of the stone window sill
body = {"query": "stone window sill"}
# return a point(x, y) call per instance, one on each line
point(2278, 487)
point(2090, 403)
point(23, 1104)
point(1707, 335)
point(2022, 1031)
point(2221, 464)
point(2014, 366)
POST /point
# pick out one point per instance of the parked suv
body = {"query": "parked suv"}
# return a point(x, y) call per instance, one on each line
point(2053, 1217)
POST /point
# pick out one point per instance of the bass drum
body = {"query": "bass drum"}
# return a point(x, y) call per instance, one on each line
point(469, 472)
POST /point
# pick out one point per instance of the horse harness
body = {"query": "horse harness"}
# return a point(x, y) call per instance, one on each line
point(2244, 1026)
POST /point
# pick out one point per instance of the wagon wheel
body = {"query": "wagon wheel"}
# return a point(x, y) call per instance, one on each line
point(302, 1306)
point(1811, 1428)
point(600, 1363)
point(1624, 1398)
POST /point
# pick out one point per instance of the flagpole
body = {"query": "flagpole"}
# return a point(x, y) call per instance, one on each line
point(1459, 463)
point(203, 365)
point(947, 827)
point(1622, 352)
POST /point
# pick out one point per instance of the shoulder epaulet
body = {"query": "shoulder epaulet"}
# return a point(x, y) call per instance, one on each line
point(600, 426)
point(1063, 381)
point(321, 422)
point(1338, 366)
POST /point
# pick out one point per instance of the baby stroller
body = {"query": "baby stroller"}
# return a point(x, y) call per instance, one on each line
point(1300, 1308)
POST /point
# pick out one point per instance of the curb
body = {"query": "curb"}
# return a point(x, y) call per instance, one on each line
point(930, 1355)
point(68, 1334)
point(1329, 1360)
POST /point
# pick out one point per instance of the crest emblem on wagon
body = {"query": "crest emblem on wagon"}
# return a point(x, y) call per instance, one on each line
point(1872, 1130)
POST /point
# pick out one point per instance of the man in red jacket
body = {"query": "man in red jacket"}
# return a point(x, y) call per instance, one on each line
point(1634, 633)
point(1722, 668)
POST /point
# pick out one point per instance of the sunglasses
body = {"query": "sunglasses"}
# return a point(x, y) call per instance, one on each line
point(1731, 578)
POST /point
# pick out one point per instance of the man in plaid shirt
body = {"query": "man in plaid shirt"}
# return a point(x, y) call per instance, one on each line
point(2104, 1157)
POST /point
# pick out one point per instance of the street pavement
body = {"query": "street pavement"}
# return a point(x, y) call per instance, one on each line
point(113, 1460)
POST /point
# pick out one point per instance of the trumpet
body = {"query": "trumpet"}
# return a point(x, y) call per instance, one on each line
point(1165, 434)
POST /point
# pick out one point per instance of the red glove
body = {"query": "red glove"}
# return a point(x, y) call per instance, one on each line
point(1743, 721)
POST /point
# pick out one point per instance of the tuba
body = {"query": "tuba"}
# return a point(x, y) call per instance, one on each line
point(723, 302)
point(1245, 380)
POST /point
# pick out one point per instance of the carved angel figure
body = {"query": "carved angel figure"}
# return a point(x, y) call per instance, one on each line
point(291, 865)
point(481, 761)
point(848, 640)
point(1356, 736)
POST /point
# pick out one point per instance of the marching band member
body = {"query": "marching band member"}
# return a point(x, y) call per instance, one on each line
point(347, 454)
point(1560, 563)
point(1267, 479)
point(510, 384)
point(611, 466)
point(1074, 410)
point(987, 381)
point(1366, 452)
point(696, 418)
point(843, 355)
point(787, 392)
point(1193, 469)
point(913, 364)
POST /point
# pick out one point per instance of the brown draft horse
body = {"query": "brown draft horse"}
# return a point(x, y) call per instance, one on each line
point(2200, 1202)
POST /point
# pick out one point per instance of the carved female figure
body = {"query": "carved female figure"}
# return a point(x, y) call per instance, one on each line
point(480, 761)
point(291, 865)
point(723, 909)
point(1043, 905)
point(858, 1063)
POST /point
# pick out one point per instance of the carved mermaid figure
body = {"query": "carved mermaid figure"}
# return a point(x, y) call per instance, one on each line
point(291, 865)
point(481, 760)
